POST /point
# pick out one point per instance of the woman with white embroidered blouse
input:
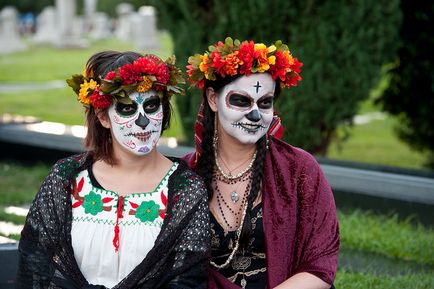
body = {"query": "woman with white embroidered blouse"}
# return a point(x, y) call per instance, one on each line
point(120, 215)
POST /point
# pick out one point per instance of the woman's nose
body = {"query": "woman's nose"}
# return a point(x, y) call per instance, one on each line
point(142, 121)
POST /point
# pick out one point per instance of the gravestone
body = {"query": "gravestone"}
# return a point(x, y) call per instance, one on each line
point(46, 28)
point(124, 23)
point(89, 14)
point(145, 34)
point(101, 26)
point(9, 34)
point(69, 31)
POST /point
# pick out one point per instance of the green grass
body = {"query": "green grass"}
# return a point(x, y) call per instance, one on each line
point(386, 235)
point(19, 183)
point(44, 63)
point(376, 143)
point(354, 280)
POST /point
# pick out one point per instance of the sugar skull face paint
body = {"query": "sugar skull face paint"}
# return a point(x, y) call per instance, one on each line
point(245, 107)
point(137, 126)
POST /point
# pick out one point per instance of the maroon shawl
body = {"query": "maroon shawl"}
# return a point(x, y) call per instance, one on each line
point(299, 215)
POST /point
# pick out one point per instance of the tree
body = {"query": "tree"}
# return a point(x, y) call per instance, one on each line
point(410, 94)
point(343, 45)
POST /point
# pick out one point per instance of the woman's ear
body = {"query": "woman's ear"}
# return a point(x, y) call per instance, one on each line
point(211, 97)
point(103, 118)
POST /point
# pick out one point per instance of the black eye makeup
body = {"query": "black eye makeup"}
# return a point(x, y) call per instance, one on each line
point(240, 100)
point(152, 104)
point(266, 102)
point(126, 109)
point(245, 102)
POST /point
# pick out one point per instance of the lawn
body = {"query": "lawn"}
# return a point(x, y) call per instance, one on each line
point(374, 142)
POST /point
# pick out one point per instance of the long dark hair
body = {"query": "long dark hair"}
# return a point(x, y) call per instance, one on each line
point(98, 138)
point(206, 162)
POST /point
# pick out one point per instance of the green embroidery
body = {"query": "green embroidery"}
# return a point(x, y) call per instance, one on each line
point(147, 211)
point(92, 203)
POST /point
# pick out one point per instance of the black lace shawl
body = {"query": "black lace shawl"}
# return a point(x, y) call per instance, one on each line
point(179, 258)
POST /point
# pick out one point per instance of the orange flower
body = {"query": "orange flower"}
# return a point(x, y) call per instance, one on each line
point(232, 63)
point(203, 66)
point(145, 85)
point(262, 58)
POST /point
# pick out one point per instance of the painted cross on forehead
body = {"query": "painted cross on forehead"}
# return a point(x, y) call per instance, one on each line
point(245, 107)
point(257, 86)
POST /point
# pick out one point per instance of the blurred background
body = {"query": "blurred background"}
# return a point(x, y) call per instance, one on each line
point(365, 104)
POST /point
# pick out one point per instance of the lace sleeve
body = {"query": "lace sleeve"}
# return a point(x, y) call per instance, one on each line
point(192, 251)
point(35, 268)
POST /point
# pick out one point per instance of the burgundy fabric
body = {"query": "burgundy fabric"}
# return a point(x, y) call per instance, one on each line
point(299, 215)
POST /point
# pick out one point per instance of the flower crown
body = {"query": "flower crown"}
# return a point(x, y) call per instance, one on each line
point(233, 57)
point(143, 74)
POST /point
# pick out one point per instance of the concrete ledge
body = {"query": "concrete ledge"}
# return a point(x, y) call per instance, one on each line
point(55, 140)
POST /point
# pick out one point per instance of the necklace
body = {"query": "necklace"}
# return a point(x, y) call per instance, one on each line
point(237, 243)
point(237, 176)
point(221, 201)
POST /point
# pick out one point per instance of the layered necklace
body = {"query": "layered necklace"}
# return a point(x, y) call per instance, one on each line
point(233, 179)
point(228, 178)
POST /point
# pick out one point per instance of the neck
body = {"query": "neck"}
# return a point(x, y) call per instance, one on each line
point(132, 163)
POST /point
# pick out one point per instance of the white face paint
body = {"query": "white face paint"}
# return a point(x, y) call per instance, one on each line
point(137, 126)
point(245, 107)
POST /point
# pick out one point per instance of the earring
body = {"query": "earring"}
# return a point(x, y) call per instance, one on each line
point(266, 142)
point(215, 136)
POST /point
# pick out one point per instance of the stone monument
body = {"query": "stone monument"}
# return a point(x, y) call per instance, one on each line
point(68, 34)
point(10, 40)
point(46, 28)
point(145, 32)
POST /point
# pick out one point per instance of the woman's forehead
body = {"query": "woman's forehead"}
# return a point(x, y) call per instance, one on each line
point(256, 84)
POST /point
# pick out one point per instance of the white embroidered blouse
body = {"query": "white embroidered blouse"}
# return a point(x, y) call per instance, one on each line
point(112, 234)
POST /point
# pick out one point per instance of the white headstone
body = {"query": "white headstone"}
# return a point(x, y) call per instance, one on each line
point(66, 20)
point(101, 26)
point(9, 35)
point(145, 32)
point(46, 28)
point(89, 14)
point(124, 24)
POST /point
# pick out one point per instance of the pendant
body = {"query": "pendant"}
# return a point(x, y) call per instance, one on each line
point(234, 197)
point(243, 283)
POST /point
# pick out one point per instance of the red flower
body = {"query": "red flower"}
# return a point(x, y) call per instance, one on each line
point(218, 63)
point(130, 74)
point(110, 75)
point(162, 74)
point(282, 65)
point(100, 101)
point(145, 66)
point(247, 55)
point(296, 66)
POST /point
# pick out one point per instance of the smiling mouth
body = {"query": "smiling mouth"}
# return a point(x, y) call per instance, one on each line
point(248, 127)
point(142, 136)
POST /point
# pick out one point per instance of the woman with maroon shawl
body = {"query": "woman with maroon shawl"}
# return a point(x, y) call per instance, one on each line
point(273, 217)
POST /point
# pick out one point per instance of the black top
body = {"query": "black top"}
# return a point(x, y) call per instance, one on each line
point(248, 266)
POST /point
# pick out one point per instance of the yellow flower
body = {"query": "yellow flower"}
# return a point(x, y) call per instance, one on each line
point(145, 85)
point(272, 60)
point(83, 95)
point(203, 66)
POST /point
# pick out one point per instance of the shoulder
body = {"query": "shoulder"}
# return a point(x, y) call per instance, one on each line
point(296, 157)
point(185, 173)
point(185, 179)
point(69, 166)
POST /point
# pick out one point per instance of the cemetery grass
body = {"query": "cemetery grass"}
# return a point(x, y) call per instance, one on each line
point(384, 235)
point(44, 63)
